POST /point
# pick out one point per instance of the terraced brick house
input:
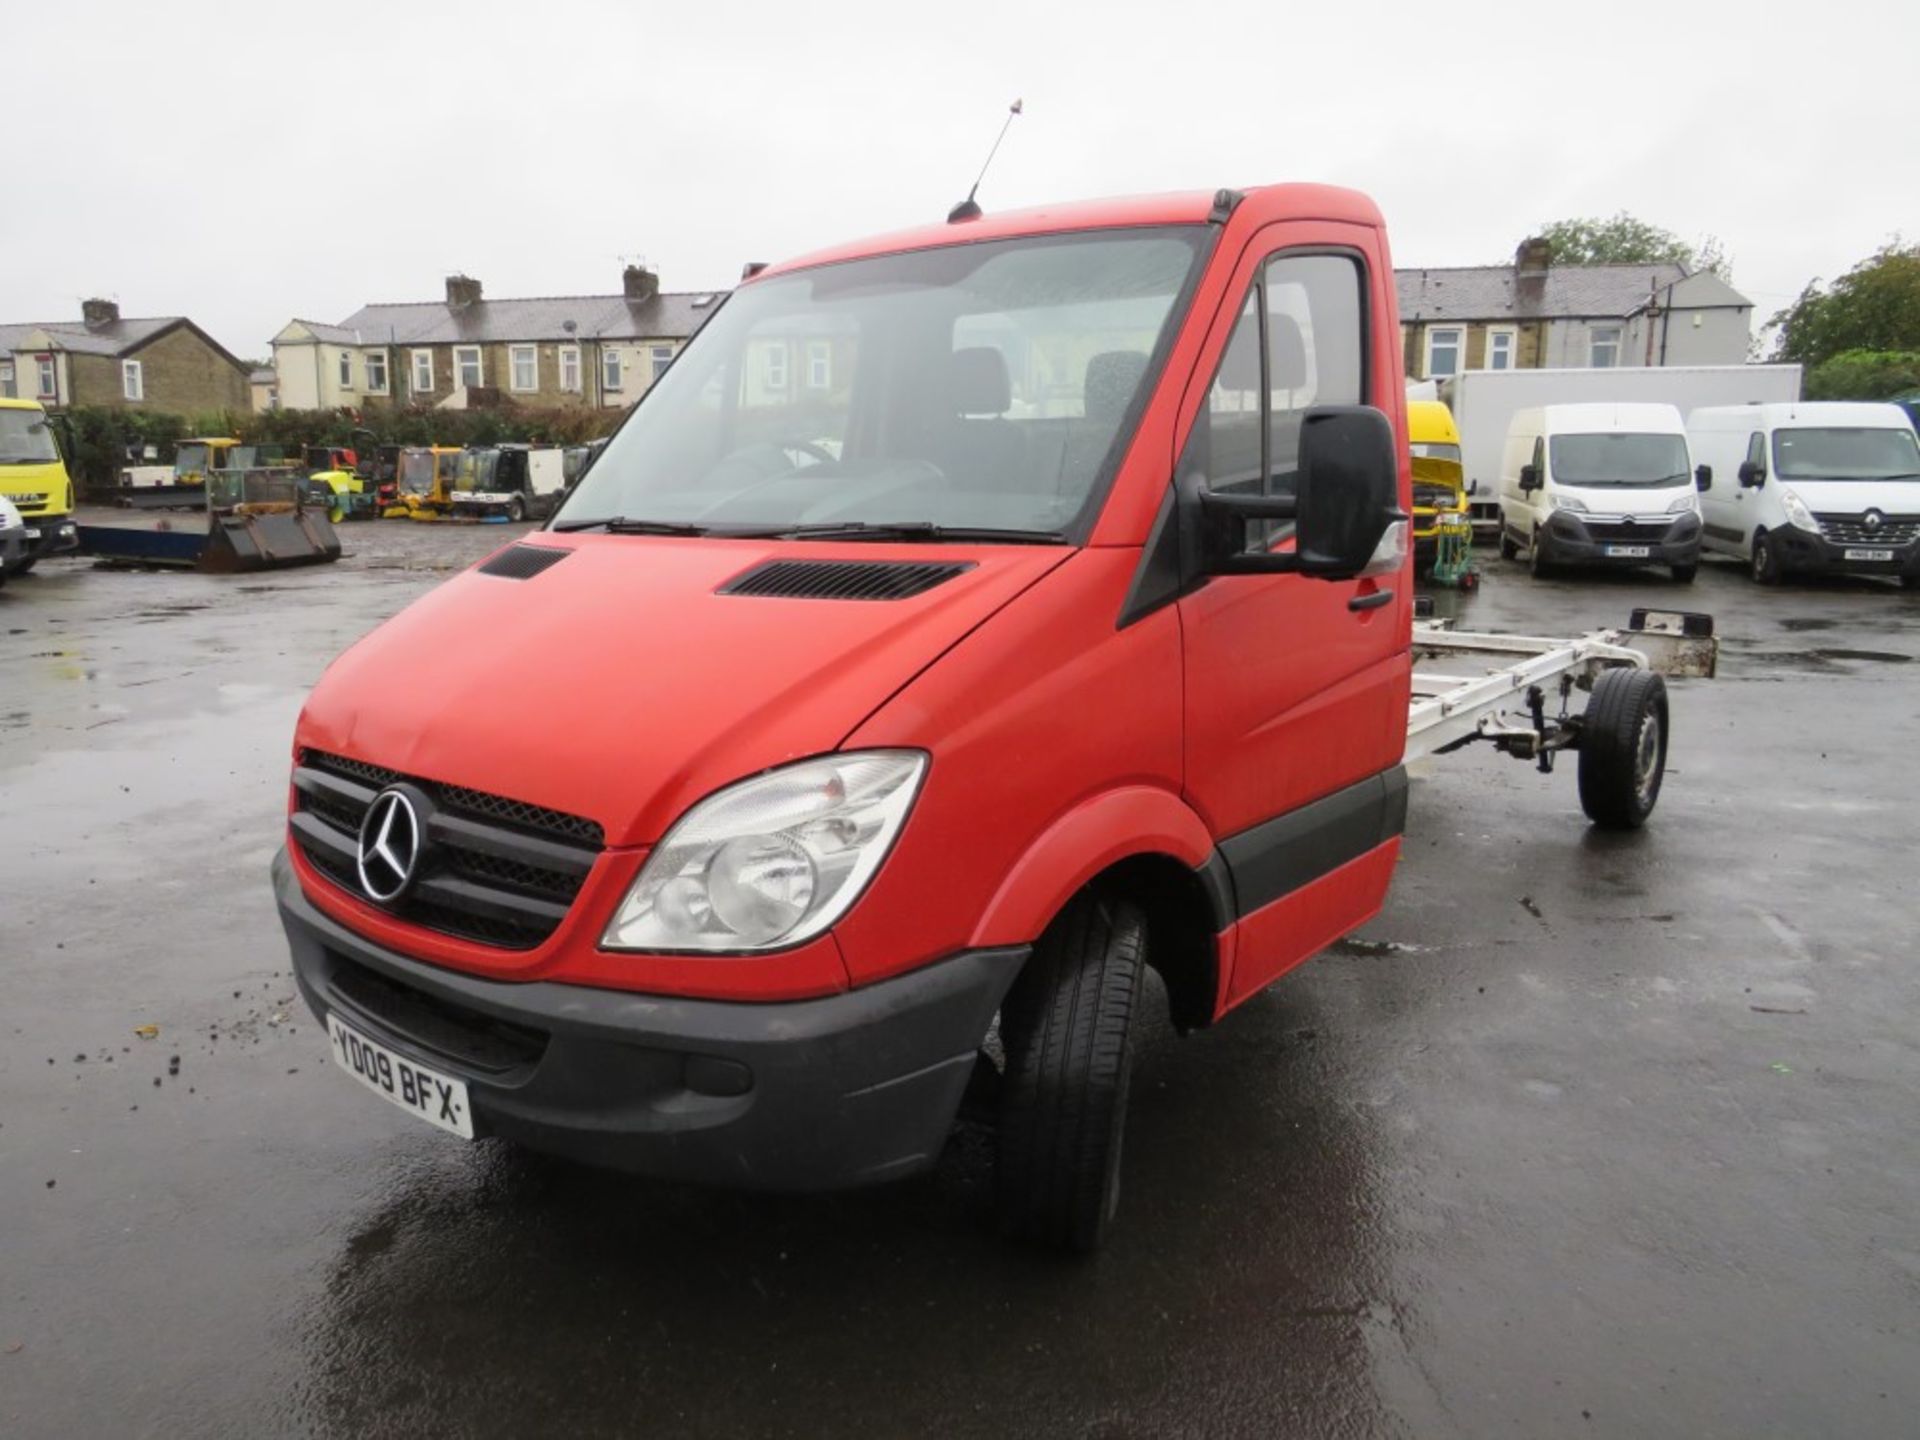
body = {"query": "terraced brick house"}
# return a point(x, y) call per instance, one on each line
point(1534, 314)
point(595, 350)
point(163, 362)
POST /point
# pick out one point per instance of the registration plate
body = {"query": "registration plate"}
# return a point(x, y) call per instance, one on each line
point(1629, 552)
point(435, 1098)
point(1853, 554)
point(32, 534)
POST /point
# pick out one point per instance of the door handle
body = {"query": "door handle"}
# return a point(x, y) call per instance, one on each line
point(1371, 602)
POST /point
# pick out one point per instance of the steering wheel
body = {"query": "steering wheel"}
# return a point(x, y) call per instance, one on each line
point(819, 453)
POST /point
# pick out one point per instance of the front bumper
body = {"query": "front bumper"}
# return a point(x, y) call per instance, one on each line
point(57, 535)
point(1801, 553)
point(1570, 539)
point(822, 1094)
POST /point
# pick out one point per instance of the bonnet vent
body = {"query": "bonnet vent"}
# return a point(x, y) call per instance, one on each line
point(843, 579)
point(523, 562)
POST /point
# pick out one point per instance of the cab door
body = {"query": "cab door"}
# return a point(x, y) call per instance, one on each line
point(1296, 688)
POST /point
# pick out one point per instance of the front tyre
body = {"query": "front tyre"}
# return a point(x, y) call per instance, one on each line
point(1067, 1026)
point(1623, 748)
point(516, 510)
point(1765, 564)
point(1683, 574)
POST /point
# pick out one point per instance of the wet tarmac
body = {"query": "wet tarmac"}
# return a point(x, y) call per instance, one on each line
point(1586, 1135)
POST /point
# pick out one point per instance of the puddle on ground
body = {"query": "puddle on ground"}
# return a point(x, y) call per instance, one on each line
point(1809, 623)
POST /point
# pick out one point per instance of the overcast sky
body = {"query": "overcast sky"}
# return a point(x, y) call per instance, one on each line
point(246, 163)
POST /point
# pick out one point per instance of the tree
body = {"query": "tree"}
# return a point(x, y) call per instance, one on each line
point(1864, 375)
point(1626, 240)
point(1874, 306)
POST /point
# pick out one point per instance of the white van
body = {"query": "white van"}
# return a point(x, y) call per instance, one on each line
point(1820, 487)
point(1599, 485)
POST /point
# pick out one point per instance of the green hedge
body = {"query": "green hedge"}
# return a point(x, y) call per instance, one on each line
point(1864, 375)
point(102, 437)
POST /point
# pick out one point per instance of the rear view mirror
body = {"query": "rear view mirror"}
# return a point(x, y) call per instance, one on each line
point(1529, 478)
point(1473, 487)
point(1345, 506)
point(1703, 477)
point(1752, 474)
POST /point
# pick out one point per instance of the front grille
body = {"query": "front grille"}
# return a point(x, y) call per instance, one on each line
point(1651, 531)
point(1854, 530)
point(441, 1026)
point(1436, 497)
point(495, 870)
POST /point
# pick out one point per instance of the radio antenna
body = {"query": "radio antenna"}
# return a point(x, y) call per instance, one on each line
point(968, 209)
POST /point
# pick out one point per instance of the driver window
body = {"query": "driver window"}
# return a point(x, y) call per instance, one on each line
point(1539, 457)
point(1757, 450)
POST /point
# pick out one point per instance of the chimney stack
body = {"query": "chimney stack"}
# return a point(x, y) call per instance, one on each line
point(99, 312)
point(462, 291)
point(1533, 257)
point(640, 283)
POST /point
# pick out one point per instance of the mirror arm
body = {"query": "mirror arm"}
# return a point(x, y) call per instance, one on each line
point(1227, 516)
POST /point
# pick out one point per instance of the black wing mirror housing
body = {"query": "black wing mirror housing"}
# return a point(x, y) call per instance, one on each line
point(1529, 478)
point(1752, 475)
point(1346, 500)
point(1703, 477)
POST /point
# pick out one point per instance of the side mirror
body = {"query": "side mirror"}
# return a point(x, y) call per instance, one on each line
point(1529, 478)
point(1752, 474)
point(1473, 487)
point(1346, 503)
point(1703, 477)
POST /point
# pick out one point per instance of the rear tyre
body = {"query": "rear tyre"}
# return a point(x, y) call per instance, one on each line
point(1623, 748)
point(1765, 564)
point(1683, 574)
point(1067, 1026)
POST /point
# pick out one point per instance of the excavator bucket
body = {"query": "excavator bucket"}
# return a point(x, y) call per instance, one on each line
point(267, 537)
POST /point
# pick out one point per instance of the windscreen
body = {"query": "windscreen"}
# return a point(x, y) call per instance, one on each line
point(416, 470)
point(25, 438)
point(1846, 454)
point(190, 460)
point(1619, 458)
point(985, 386)
point(1435, 450)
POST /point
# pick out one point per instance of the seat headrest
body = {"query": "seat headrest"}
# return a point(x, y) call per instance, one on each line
point(1286, 352)
point(1112, 377)
point(979, 382)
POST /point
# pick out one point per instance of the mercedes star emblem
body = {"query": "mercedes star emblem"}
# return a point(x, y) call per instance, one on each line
point(389, 846)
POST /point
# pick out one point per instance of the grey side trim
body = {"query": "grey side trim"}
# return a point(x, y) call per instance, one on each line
point(1281, 855)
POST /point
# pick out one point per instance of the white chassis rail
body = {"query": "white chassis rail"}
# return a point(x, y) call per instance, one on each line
point(1519, 675)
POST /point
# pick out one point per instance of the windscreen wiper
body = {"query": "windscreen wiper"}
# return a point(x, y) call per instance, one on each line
point(620, 525)
point(920, 530)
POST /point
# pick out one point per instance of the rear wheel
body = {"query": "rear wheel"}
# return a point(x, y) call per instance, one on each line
point(1765, 564)
point(1067, 1026)
point(1623, 748)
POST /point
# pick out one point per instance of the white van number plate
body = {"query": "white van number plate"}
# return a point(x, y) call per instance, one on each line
point(435, 1098)
point(1630, 552)
point(1869, 554)
point(32, 534)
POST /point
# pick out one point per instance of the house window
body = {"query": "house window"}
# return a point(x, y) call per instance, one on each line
point(609, 369)
point(819, 364)
point(775, 373)
point(132, 386)
point(49, 379)
point(1502, 348)
point(422, 372)
point(377, 371)
point(1443, 350)
point(525, 373)
point(662, 357)
point(1604, 351)
point(570, 368)
point(6, 381)
point(466, 366)
point(346, 369)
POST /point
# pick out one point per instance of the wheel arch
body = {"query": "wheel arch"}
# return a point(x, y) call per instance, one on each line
point(1147, 845)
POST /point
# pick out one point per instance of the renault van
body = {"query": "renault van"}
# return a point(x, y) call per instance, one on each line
point(1599, 485)
point(842, 749)
point(1816, 488)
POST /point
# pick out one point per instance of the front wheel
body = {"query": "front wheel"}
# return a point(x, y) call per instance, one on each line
point(1537, 563)
point(1623, 748)
point(1067, 1026)
point(1765, 564)
point(1683, 574)
point(25, 565)
point(1508, 550)
point(516, 510)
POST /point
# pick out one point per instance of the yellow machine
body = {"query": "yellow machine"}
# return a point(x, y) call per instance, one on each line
point(1442, 529)
point(34, 478)
point(425, 480)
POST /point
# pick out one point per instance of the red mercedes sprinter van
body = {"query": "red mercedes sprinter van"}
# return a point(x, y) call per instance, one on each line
point(967, 620)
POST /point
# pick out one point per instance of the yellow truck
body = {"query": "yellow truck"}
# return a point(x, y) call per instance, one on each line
point(34, 479)
point(1442, 527)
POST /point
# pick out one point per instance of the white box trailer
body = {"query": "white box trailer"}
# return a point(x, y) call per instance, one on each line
point(1484, 401)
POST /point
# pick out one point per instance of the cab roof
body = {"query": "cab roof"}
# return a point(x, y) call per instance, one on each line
point(1187, 207)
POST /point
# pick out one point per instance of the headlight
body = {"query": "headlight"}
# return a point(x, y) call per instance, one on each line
point(1686, 504)
point(1798, 515)
point(1567, 502)
point(773, 860)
